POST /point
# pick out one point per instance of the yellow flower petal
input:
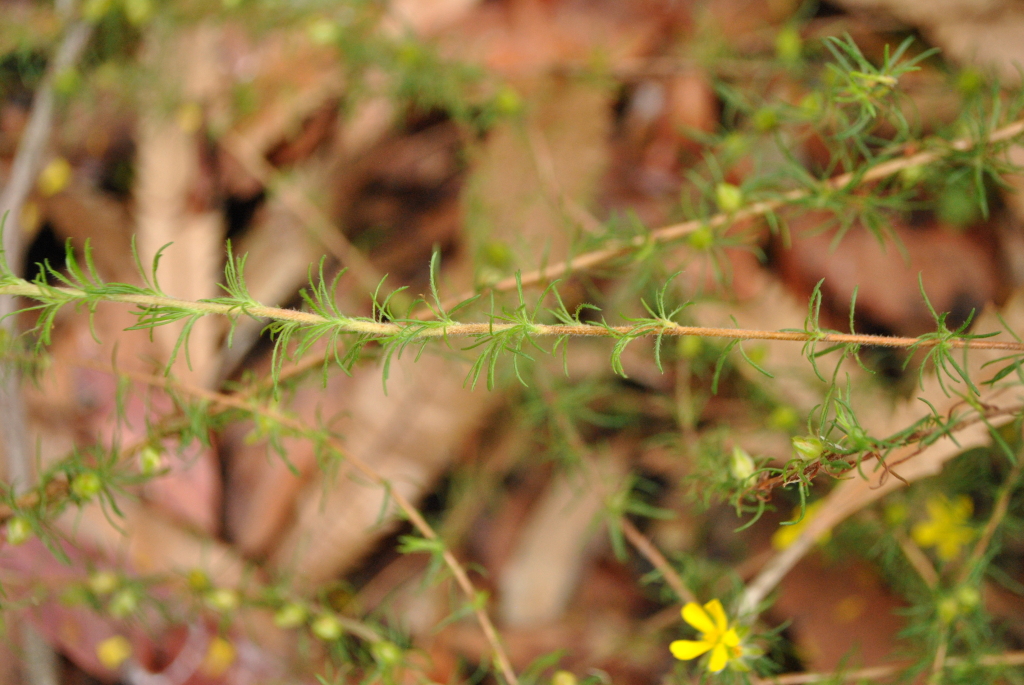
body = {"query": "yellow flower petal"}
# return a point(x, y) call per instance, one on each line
point(695, 615)
point(717, 614)
point(54, 177)
point(219, 657)
point(113, 652)
point(719, 658)
point(684, 650)
point(731, 638)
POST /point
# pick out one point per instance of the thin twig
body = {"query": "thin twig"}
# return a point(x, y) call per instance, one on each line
point(998, 513)
point(377, 329)
point(657, 559)
point(672, 232)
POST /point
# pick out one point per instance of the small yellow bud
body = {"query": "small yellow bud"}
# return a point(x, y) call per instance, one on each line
point(113, 652)
point(741, 465)
point(123, 604)
point(783, 418)
point(563, 678)
point(19, 529)
point(765, 119)
point(138, 12)
point(86, 485)
point(701, 239)
point(912, 175)
point(789, 44)
point(198, 580)
point(222, 600)
point(103, 582)
point(807, 447)
point(326, 627)
point(291, 615)
point(54, 177)
point(150, 461)
point(386, 653)
point(729, 197)
point(507, 101)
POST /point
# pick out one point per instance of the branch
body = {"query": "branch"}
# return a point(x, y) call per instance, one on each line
point(418, 330)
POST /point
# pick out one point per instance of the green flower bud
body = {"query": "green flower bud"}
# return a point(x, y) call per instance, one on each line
point(291, 615)
point(123, 604)
point(765, 119)
point(150, 461)
point(729, 197)
point(103, 582)
point(138, 12)
point(741, 465)
point(19, 529)
point(386, 653)
point(910, 176)
point(948, 609)
point(701, 239)
point(789, 44)
point(968, 597)
point(807, 447)
point(326, 627)
point(689, 346)
point(783, 418)
point(222, 600)
point(198, 580)
point(86, 485)
point(507, 101)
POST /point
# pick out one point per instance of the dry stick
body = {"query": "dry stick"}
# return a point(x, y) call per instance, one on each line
point(657, 559)
point(410, 511)
point(879, 672)
point(40, 660)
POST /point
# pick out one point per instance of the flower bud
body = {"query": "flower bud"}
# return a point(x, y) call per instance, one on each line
point(150, 461)
point(563, 678)
point(123, 604)
point(729, 197)
point(386, 653)
point(291, 615)
point(741, 465)
point(807, 447)
point(86, 485)
point(18, 530)
point(701, 239)
point(222, 600)
point(326, 627)
point(103, 582)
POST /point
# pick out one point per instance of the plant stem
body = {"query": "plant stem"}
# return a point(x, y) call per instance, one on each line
point(657, 559)
point(420, 331)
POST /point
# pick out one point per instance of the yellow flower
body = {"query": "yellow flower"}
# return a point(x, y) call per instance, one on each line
point(787, 535)
point(717, 636)
point(113, 652)
point(219, 657)
point(946, 527)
